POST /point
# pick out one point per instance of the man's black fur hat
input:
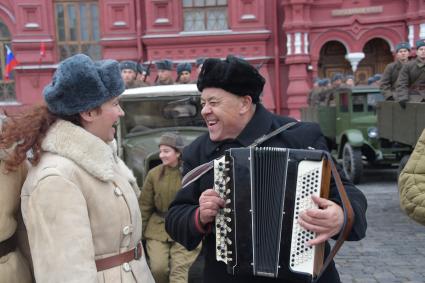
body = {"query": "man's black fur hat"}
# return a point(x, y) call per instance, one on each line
point(234, 75)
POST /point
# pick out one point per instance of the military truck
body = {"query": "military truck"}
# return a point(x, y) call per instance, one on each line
point(350, 126)
point(401, 125)
point(151, 111)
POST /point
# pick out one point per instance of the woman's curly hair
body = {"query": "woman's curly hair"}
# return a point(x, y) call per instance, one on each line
point(25, 132)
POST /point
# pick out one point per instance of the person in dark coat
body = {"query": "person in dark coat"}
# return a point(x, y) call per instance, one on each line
point(390, 75)
point(411, 79)
point(235, 117)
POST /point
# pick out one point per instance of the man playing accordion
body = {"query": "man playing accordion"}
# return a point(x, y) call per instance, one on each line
point(235, 118)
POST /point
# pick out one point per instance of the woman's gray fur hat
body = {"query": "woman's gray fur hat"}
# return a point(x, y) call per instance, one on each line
point(80, 84)
point(164, 65)
point(173, 140)
point(234, 75)
point(184, 67)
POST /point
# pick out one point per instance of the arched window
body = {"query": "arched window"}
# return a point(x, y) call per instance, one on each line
point(7, 86)
point(205, 15)
point(77, 28)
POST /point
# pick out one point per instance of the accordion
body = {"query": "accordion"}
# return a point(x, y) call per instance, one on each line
point(265, 190)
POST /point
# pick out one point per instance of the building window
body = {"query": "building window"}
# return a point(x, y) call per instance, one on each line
point(205, 15)
point(7, 86)
point(77, 28)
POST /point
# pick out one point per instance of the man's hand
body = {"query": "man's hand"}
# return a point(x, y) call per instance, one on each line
point(326, 221)
point(209, 205)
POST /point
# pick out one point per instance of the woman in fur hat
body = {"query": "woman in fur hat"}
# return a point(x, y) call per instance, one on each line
point(14, 267)
point(79, 201)
point(168, 260)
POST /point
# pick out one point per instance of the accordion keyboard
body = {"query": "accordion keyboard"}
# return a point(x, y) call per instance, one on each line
point(308, 184)
point(222, 220)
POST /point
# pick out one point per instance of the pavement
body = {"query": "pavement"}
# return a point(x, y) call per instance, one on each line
point(394, 248)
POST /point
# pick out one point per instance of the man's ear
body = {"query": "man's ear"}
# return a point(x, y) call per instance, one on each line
point(246, 104)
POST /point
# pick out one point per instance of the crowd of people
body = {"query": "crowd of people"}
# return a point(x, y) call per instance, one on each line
point(138, 75)
point(323, 89)
point(403, 80)
point(82, 216)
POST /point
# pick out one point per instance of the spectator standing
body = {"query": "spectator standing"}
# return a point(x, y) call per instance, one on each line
point(392, 70)
point(79, 201)
point(168, 260)
point(411, 183)
point(14, 267)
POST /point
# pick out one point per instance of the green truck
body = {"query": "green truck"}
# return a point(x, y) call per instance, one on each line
point(350, 126)
point(150, 112)
point(402, 126)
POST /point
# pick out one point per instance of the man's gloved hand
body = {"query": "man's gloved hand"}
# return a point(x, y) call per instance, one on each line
point(403, 103)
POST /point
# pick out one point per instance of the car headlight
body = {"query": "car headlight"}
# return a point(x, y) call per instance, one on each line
point(372, 133)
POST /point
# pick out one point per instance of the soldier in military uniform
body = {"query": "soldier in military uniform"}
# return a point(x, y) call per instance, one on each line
point(142, 75)
point(336, 83)
point(411, 80)
point(389, 78)
point(313, 92)
point(164, 76)
point(184, 71)
point(129, 73)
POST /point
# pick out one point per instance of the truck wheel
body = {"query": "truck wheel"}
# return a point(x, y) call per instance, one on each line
point(403, 162)
point(352, 163)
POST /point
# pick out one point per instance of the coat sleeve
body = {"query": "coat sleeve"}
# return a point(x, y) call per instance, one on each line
point(386, 84)
point(402, 90)
point(411, 183)
point(59, 233)
point(146, 201)
point(180, 222)
point(357, 199)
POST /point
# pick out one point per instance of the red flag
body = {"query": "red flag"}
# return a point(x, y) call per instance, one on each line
point(42, 49)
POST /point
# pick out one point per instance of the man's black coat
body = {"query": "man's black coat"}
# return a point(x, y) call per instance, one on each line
point(180, 220)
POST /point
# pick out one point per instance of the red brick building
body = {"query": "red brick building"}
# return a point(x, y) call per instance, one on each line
point(293, 40)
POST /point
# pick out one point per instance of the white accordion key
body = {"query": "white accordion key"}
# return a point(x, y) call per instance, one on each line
point(309, 180)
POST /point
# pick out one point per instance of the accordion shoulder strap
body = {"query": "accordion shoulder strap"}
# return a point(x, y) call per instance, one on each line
point(348, 217)
point(200, 170)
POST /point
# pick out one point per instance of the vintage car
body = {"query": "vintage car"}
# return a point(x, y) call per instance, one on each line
point(350, 126)
point(151, 111)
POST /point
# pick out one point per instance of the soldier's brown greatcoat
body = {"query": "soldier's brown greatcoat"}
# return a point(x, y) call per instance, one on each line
point(411, 82)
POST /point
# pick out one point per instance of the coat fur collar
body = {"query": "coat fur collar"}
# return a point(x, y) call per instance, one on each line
point(82, 147)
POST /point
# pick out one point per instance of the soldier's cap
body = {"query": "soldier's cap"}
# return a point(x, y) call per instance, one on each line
point(377, 77)
point(164, 65)
point(184, 67)
point(337, 76)
point(142, 69)
point(402, 45)
point(199, 61)
point(349, 77)
point(234, 75)
point(80, 84)
point(173, 140)
point(324, 82)
point(131, 65)
point(420, 43)
point(371, 80)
